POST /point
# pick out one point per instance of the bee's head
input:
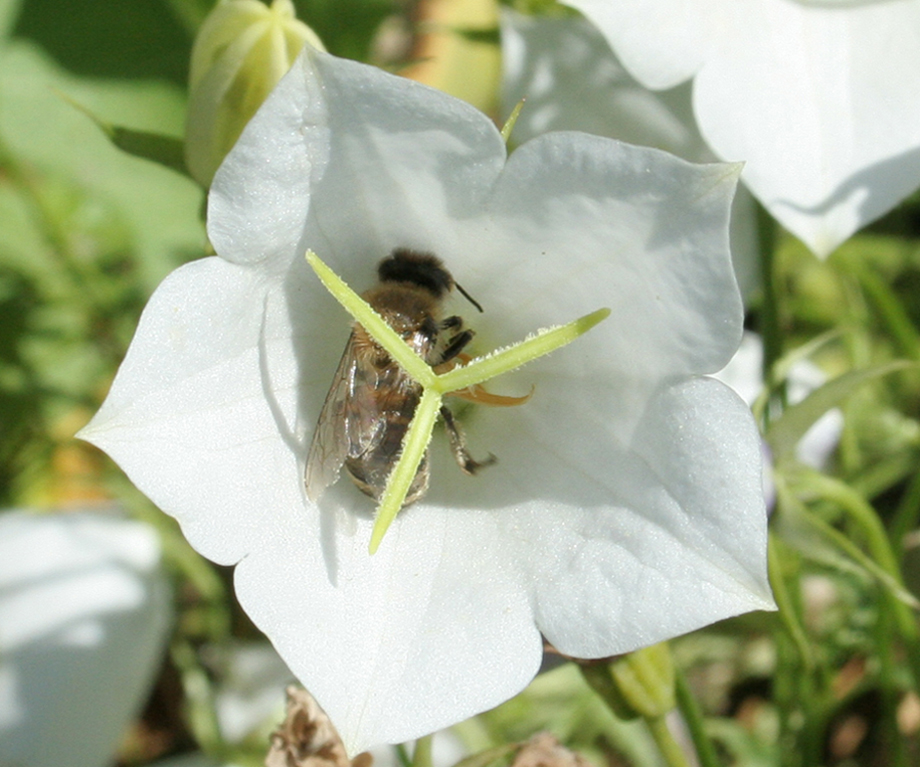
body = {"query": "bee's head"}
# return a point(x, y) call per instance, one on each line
point(424, 270)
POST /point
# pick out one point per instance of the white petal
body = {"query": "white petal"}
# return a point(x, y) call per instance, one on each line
point(212, 409)
point(610, 235)
point(815, 100)
point(373, 175)
point(84, 612)
point(206, 401)
point(403, 643)
point(571, 80)
point(663, 535)
point(820, 107)
point(661, 43)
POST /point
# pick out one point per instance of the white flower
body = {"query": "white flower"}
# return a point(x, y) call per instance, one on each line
point(819, 99)
point(84, 613)
point(570, 80)
point(744, 373)
point(626, 506)
point(250, 696)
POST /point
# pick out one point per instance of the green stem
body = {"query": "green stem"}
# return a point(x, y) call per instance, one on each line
point(201, 709)
point(787, 612)
point(673, 754)
point(891, 582)
point(888, 308)
point(402, 755)
point(906, 515)
point(693, 716)
point(769, 325)
point(871, 529)
point(881, 562)
point(890, 690)
point(421, 756)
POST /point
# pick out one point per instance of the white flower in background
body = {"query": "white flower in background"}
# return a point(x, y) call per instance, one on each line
point(745, 375)
point(570, 80)
point(249, 700)
point(819, 99)
point(84, 618)
point(626, 505)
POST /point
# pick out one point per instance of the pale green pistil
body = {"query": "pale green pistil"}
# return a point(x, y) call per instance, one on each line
point(435, 386)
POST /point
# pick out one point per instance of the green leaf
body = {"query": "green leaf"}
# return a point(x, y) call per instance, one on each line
point(165, 150)
point(168, 151)
point(785, 432)
point(490, 36)
point(157, 210)
point(822, 542)
point(9, 10)
point(123, 41)
point(640, 683)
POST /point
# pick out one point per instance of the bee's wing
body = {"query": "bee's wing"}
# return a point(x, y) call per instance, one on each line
point(330, 444)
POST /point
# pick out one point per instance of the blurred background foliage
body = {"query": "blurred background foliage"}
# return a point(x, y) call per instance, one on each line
point(88, 231)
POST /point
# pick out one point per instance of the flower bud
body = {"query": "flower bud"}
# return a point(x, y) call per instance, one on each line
point(640, 683)
point(242, 49)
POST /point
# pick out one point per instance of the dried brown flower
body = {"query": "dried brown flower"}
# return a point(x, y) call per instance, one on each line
point(306, 738)
point(544, 750)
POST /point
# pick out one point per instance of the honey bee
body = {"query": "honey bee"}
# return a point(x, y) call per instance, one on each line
point(372, 400)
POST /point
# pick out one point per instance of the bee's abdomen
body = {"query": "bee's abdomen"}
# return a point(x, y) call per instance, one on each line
point(371, 469)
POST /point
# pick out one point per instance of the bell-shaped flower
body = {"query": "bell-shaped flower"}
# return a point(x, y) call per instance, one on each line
point(817, 97)
point(241, 51)
point(626, 504)
point(570, 79)
point(84, 616)
point(744, 373)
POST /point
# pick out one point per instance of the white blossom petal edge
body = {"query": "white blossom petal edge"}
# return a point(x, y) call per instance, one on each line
point(626, 506)
point(85, 612)
point(571, 80)
point(817, 98)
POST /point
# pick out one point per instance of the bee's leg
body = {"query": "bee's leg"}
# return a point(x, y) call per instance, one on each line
point(454, 322)
point(456, 345)
point(458, 445)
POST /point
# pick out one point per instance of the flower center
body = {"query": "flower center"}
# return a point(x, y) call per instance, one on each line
point(435, 386)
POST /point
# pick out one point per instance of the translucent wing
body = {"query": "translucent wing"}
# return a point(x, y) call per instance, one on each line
point(330, 444)
point(363, 419)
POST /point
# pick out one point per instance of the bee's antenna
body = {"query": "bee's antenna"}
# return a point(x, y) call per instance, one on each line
point(468, 297)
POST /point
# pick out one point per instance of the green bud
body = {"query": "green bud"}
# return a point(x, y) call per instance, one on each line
point(640, 684)
point(242, 49)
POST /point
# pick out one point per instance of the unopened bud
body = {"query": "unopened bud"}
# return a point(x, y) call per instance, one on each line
point(242, 50)
point(640, 684)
